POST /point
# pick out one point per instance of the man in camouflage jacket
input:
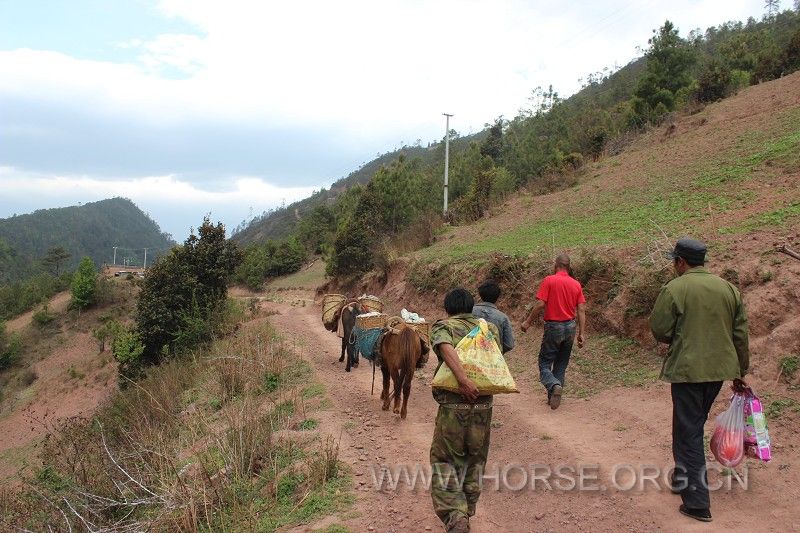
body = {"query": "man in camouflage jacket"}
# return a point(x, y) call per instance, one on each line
point(460, 443)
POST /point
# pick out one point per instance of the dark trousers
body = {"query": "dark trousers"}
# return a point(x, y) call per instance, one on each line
point(690, 405)
point(554, 354)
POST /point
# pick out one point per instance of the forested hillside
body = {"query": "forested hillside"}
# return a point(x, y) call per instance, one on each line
point(281, 222)
point(62, 236)
point(544, 148)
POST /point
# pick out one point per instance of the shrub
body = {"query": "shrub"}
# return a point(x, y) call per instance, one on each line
point(739, 80)
point(788, 366)
point(109, 329)
point(10, 348)
point(127, 349)
point(270, 260)
point(43, 316)
point(714, 82)
point(27, 377)
point(607, 273)
point(731, 275)
point(573, 161)
point(644, 290)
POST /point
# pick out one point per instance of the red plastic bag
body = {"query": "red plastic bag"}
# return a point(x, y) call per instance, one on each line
point(727, 442)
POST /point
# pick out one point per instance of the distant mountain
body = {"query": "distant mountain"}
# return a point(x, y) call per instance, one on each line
point(92, 229)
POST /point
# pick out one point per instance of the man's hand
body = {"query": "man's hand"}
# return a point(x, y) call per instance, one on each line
point(532, 315)
point(465, 385)
point(468, 389)
point(581, 340)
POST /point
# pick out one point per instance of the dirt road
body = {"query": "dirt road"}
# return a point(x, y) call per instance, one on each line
point(626, 427)
point(57, 304)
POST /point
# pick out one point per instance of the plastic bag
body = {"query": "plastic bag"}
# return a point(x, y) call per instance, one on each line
point(727, 442)
point(483, 363)
point(756, 436)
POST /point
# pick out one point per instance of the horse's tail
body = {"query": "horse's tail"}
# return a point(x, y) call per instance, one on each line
point(409, 348)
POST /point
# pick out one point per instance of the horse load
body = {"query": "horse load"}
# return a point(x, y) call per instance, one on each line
point(373, 326)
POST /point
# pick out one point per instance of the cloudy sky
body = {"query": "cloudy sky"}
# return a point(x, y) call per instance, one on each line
point(191, 107)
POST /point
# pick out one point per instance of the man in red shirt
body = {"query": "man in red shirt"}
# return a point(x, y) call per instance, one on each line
point(562, 298)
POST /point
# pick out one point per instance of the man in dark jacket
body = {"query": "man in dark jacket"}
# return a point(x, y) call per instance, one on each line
point(702, 318)
point(489, 292)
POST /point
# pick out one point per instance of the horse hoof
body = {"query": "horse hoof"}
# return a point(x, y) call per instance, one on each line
point(385, 408)
point(403, 415)
point(347, 370)
point(396, 411)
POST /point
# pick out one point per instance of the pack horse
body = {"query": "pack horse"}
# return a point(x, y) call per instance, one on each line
point(402, 350)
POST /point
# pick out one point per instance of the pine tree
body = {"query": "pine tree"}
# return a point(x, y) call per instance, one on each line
point(84, 284)
point(55, 256)
point(669, 62)
point(772, 7)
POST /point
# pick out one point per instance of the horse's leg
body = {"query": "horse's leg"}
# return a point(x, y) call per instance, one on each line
point(344, 347)
point(349, 354)
point(406, 393)
point(385, 392)
point(398, 388)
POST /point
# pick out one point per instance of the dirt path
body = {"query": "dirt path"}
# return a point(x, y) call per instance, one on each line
point(57, 304)
point(617, 427)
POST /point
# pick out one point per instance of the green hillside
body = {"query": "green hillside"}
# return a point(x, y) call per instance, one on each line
point(728, 170)
point(393, 204)
point(92, 229)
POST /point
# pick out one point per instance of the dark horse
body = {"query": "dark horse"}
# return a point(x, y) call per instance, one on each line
point(349, 313)
point(400, 353)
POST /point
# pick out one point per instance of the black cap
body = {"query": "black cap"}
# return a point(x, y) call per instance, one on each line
point(693, 251)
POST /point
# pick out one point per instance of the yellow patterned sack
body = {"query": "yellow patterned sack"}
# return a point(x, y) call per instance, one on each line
point(483, 363)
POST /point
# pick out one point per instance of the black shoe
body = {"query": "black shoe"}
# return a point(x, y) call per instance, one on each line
point(704, 515)
point(555, 397)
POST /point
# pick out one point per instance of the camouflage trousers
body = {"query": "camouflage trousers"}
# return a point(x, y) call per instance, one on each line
point(458, 457)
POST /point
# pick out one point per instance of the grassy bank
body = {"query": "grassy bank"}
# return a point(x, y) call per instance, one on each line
point(223, 440)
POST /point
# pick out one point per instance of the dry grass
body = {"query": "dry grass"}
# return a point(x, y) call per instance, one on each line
point(158, 457)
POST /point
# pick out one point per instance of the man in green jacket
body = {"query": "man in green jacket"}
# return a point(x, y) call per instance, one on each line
point(702, 318)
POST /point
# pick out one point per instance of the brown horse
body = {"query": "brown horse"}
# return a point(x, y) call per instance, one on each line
point(400, 353)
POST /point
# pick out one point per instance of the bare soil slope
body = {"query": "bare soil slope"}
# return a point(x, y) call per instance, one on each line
point(69, 378)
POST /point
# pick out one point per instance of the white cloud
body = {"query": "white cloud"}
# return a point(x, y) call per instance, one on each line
point(367, 68)
point(162, 196)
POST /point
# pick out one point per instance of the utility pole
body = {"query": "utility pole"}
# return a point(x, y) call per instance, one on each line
point(145, 259)
point(114, 262)
point(446, 157)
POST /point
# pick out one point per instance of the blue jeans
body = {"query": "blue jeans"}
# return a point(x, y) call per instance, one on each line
point(554, 355)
